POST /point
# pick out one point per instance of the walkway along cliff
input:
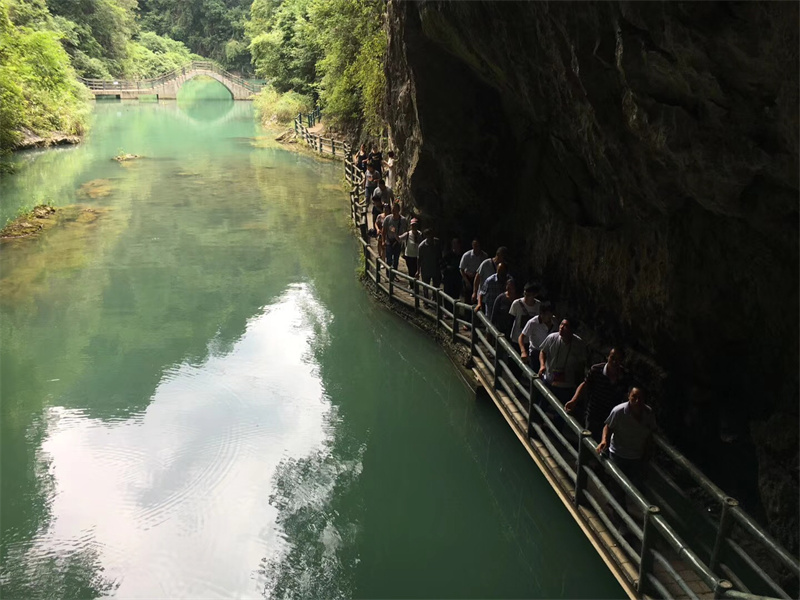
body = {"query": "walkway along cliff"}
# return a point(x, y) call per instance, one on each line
point(642, 160)
point(673, 547)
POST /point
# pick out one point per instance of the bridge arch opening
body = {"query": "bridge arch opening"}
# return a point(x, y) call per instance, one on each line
point(204, 99)
point(204, 87)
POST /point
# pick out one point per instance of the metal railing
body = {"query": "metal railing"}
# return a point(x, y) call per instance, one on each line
point(121, 85)
point(321, 144)
point(662, 562)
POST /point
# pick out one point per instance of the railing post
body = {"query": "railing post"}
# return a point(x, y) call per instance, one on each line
point(438, 310)
point(646, 556)
point(722, 531)
point(723, 586)
point(377, 271)
point(455, 320)
point(580, 469)
point(531, 402)
point(497, 348)
point(415, 284)
point(473, 335)
point(391, 283)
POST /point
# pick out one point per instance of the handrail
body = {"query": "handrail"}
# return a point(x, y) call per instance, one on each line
point(323, 145)
point(487, 342)
point(151, 82)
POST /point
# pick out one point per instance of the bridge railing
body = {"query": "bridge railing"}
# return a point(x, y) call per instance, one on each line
point(654, 553)
point(150, 83)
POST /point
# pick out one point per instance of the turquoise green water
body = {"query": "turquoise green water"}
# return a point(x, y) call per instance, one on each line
point(199, 399)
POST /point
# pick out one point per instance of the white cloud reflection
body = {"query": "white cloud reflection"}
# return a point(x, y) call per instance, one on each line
point(175, 502)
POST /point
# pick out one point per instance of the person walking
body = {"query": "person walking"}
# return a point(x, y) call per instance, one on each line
point(412, 239)
point(605, 386)
point(628, 435)
point(470, 262)
point(561, 361)
point(388, 170)
point(524, 309)
point(394, 226)
point(430, 260)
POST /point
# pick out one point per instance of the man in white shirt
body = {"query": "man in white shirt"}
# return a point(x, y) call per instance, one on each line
point(535, 332)
point(523, 310)
point(562, 358)
point(470, 262)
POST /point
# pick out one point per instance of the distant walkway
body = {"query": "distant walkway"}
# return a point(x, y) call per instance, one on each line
point(166, 87)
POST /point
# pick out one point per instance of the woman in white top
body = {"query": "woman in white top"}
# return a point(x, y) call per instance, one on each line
point(412, 238)
point(388, 173)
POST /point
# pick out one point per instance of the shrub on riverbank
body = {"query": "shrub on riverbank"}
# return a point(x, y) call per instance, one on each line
point(38, 89)
point(274, 107)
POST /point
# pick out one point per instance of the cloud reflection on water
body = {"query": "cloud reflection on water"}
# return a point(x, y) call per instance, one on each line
point(176, 500)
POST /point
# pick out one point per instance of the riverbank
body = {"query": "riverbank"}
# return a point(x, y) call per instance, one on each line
point(29, 140)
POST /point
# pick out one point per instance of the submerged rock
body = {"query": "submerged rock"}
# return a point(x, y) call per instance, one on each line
point(121, 158)
point(96, 188)
point(38, 219)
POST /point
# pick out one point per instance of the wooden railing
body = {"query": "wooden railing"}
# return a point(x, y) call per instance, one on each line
point(150, 83)
point(657, 559)
point(321, 144)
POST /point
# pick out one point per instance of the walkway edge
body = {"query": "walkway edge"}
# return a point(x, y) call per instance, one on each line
point(565, 499)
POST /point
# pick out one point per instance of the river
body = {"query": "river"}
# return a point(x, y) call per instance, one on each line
point(200, 400)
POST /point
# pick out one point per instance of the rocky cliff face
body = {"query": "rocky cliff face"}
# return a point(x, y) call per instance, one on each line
point(642, 159)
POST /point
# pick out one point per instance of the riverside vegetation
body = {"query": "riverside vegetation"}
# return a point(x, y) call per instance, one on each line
point(326, 52)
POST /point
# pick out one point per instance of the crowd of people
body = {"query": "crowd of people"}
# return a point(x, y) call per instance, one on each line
point(603, 399)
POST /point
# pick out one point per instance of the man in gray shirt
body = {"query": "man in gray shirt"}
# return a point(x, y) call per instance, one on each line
point(470, 262)
point(630, 427)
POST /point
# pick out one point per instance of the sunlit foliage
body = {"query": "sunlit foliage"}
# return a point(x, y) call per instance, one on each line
point(38, 89)
point(332, 49)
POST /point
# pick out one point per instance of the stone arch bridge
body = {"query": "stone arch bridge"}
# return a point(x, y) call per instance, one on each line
point(166, 87)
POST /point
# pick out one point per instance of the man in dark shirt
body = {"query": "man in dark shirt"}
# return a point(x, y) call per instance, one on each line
point(375, 158)
point(604, 388)
point(500, 315)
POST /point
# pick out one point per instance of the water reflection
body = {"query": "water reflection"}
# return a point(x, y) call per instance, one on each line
point(173, 503)
point(207, 112)
point(205, 100)
point(199, 400)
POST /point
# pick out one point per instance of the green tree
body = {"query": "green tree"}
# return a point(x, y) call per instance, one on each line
point(352, 78)
point(38, 88)
point(284, 45)
point(212, 28)
point(333, 49)
point(97, 29)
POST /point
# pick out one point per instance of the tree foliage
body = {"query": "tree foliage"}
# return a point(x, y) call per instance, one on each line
point(38, 89)
point(212, 28)
point(332, 49)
